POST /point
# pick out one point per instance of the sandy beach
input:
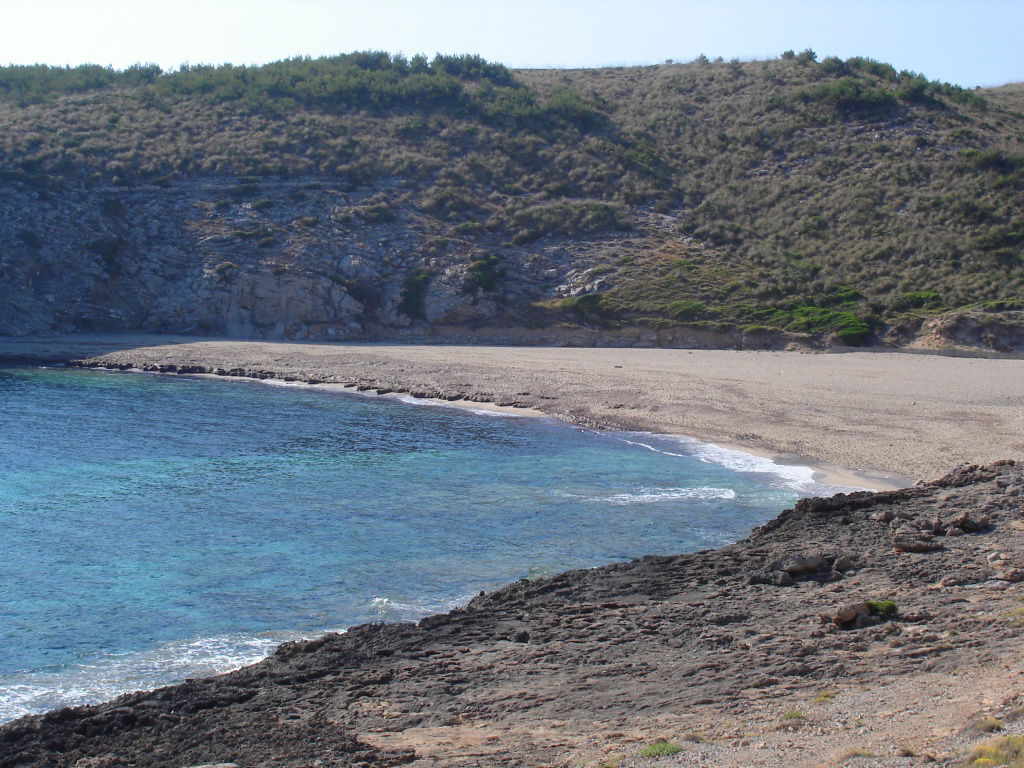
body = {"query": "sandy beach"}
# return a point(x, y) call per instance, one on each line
point(876, 420)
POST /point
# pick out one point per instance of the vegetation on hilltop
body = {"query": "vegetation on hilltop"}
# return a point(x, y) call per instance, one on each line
point(824, 196)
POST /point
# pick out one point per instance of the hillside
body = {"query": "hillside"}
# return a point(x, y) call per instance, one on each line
point(366, 196)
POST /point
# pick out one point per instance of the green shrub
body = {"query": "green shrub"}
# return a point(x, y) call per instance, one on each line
point(110, 249)
point(468, 228)
point(870, 66)
point(377, 213)
point(920, 299)
point(915, 88)
point(847, 326)
point(449, 203)
point(986, 724)
point(851, 96)
point(1006, 305)
point(589, 306)
point(259, 232)
point(262, 204)
point(414, 293)
point(833, 65)
point(997, 160)
point(885, 609)
point(224, 266)
point(565, 218)
point(484, 272)
point(855, 754)
point(240, 191)
point(686, 309)
point(660, 748)
point(112, 207)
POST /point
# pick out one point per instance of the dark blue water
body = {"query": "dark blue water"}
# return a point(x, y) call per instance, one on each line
point(153, 527)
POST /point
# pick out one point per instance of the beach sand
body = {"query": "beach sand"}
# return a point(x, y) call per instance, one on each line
point(867, 419)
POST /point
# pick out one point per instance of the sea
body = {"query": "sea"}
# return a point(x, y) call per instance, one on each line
point(157, 527)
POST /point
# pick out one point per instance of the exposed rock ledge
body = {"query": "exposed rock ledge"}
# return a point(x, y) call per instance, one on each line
point(765, 652)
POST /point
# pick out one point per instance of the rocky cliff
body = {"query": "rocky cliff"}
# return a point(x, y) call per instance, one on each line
point(185, 257)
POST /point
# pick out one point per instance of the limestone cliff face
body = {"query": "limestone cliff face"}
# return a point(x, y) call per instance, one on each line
point(300, 259)
point(192, 256)
point(998, 331)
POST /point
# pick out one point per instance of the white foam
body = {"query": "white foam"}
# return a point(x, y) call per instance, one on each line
point(654, 495)
point(445, 404)
point(110, 675)
point(275, 382)
point(399, 396)
point(795, 476)
point(388, 609)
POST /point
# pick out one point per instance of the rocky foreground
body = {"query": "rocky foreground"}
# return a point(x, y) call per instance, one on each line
point(884, 624)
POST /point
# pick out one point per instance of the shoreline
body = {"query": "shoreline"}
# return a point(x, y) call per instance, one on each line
point(823, 473)
point(890, 418)
point(887, 418)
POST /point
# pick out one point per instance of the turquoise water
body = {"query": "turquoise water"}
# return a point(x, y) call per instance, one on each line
point(158, 527)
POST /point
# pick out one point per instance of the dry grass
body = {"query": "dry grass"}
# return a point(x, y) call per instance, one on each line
point(1006, 751)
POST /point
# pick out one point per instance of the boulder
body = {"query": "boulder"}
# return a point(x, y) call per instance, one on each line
point(970, 522)
point(849, 613)
point(776, 578)
point(843, 562)
point(903, 541)
point(798, 564)
point(855, 616)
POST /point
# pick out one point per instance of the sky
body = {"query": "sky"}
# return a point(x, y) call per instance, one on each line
point(967, 42)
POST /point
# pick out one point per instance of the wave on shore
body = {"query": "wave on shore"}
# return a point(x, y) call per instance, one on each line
point(798, 477)
point(110, 675)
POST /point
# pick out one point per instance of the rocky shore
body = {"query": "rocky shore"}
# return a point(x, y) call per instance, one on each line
point(883, 624)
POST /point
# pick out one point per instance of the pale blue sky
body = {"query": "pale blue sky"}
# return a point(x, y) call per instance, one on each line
point(969, 42)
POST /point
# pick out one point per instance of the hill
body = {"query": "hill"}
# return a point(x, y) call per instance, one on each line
point(369, 196)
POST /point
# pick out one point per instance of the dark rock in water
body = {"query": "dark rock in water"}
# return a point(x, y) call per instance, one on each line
point(602, 650)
